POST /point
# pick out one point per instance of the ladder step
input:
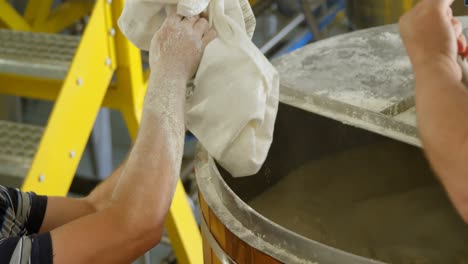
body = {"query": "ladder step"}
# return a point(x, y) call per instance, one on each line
point(18, 145)
point(36, 54)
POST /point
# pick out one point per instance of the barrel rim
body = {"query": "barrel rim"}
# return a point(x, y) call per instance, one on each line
point(250, 226)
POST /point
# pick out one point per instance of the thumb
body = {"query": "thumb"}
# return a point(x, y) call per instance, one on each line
point(457, 26)
point(209, 36)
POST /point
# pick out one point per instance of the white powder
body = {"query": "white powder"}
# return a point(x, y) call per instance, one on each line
point(167, 101)
point(170, 57)
point(390, 37)
point(380, 202)
point(364, 69)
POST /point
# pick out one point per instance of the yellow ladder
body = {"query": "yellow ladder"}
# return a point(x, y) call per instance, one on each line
point(81, 74)
point(39, 17)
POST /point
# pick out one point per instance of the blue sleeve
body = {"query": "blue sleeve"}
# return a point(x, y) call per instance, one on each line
point(21, 213)
point(36, 249)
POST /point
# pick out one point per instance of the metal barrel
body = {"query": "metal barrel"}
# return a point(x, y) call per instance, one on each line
point(350, 96)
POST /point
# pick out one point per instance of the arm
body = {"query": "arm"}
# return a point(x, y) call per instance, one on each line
point(132, 222)
point(431, 34)
point(62, 210)
point(442, 106)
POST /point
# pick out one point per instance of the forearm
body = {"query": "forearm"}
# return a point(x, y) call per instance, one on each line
point(442, 104)
point(147, 184)
point(442, 107)
point(101, 196)
point(62, 210)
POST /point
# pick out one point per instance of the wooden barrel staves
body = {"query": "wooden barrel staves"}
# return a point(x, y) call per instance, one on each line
point(221, 246)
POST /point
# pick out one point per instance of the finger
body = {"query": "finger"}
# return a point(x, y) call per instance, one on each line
point(201, 26)
point(441, 7)
point(457, 26)
point(209, 36)
point(461, 39)
point(191, 20)
point(449, 13)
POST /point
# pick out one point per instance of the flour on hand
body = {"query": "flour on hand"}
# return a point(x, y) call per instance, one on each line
point(233, 107)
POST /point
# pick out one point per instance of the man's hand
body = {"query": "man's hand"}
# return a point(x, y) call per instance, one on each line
point(433, 39)
point(431, 33)
point(179, 44)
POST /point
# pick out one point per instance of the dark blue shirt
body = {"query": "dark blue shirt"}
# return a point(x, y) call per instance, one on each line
point(21, 216)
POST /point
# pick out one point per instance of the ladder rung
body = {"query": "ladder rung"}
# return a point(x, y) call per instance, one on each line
point(36, 54)
point(18, 145)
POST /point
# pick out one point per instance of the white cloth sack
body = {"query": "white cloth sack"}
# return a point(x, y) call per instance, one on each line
point(141, 19)
point(234, 103)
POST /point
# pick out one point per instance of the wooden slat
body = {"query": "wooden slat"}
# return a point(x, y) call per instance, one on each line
point(214, 258)
point(234, 247)
point(260, 257)
point(204, 209)
point(240, 251)
point(206, 250)
point(218, 231)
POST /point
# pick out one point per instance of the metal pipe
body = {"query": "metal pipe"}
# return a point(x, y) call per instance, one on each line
point(308, 36)
point(147, 258)
point(282, 33)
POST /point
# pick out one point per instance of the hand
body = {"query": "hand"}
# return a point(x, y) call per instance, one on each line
point(433, 36)
point(178, 46)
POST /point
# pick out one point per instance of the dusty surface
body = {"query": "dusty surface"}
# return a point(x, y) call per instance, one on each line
point(367, 69)
point(362, 78)
point(380, 201)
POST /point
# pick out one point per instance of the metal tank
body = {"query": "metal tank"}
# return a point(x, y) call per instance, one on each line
point(337, 95)
point(371, 13)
